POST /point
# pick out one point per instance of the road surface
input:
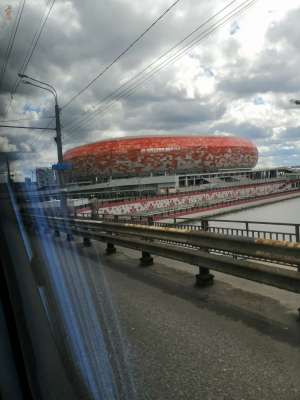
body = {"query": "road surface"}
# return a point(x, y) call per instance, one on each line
point(163, 339)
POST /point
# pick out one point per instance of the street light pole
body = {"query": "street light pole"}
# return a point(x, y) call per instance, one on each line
point(58, 138)
point(8, 171)
point(58, 133)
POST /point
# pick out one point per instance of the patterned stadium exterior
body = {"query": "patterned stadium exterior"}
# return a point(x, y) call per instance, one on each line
point(145, 155)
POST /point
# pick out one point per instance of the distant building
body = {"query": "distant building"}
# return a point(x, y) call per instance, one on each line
point(45, 178)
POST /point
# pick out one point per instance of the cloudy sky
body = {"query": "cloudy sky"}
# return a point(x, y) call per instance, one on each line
point(238, 80)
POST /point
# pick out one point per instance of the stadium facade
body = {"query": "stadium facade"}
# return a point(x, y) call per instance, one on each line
point(160, 155)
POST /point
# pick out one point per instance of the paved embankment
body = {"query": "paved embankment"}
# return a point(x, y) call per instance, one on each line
point(234, 340)
point(243, 205)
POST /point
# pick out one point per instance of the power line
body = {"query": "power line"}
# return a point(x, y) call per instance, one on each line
point(127, 92)
point(33, 45)
point(8, 48)
point(11, 42)
point(173, 59)
point(24, 120)
point(116, 95)
point(162, 56)
point(26, 127)
point(121, 55)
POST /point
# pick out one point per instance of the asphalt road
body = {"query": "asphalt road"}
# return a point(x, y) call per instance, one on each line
point(147, 333)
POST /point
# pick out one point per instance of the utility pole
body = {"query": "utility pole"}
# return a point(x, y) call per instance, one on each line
point(60, 157)
point(58, 134)
point(58, 138)
point(8, 171)
point(58, 141)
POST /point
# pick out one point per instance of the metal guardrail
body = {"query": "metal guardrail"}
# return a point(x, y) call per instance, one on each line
point(253, 229)
point(204, 249)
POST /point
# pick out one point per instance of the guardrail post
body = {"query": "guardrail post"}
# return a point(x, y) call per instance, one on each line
point(110, 249)
point(247, 228)
point(297, 232)
point(150, 221)
point(146, 260)
point(204, 278)
point(70, 237)
point(93, 211)
point(87, 242)
point(30, 225)
point(46, 229)
point(204, 224)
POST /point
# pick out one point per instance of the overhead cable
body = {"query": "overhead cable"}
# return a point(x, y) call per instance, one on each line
point(24, 119)
point(33, 45)
point(120, 55)
point(152, 67)
point(129, 92)
point(11, 41)
point(147, 72)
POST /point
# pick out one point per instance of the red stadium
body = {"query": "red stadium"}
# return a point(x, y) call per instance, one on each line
point(142, 156)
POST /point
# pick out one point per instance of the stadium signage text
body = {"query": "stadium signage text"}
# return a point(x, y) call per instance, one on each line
point(159, 149)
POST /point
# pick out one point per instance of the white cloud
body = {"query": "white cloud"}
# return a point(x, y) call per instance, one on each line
point(6, 146)
point(238, 81)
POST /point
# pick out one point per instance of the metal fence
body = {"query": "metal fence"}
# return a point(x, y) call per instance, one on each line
point(252, 229)
point(270, 262)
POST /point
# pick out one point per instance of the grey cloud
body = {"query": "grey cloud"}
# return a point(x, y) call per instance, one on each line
point(246, 130)
point(68, 56)
point(5, 145)
point(172, 115)
point(287, 31)
point(275, 70)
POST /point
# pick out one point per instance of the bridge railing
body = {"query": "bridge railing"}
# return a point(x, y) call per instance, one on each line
point(264, 249)
point(252, 229)
point(274, 263)
point(257, 229)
